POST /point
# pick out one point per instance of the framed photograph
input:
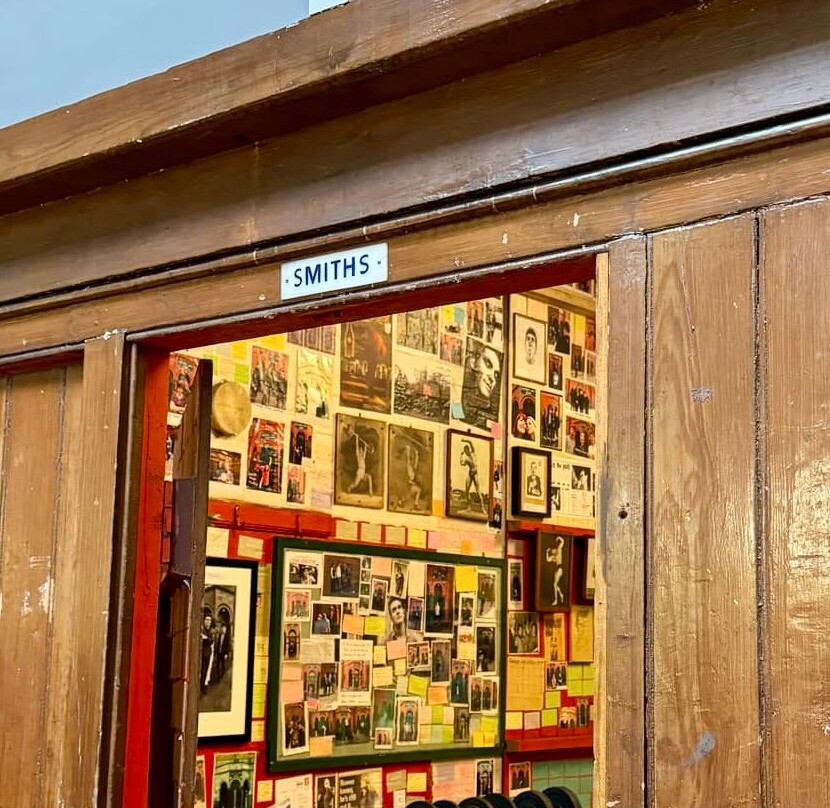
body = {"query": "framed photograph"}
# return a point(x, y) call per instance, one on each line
point(515, 577)
point(360, 458)
point(553, 571)
point(530, 482)
point(529, 354)
point(481, 388)
point(227, 650)
point(409, 489)
point(469, 479)
point(233, 772)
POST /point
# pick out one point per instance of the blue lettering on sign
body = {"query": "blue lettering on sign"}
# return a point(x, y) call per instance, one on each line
point(335, 272)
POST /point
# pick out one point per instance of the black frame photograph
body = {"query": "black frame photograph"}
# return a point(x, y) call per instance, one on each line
point(360, 462)
point(469, 473)
point(226, 667)
point(553, 571)
point(530, 482)
point(530, 357)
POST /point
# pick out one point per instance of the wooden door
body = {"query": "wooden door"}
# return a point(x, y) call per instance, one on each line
point(59, 450)
point(175, 715)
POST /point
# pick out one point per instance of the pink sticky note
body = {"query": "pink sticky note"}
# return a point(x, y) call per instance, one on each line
point(495, 430)
point(396, 649)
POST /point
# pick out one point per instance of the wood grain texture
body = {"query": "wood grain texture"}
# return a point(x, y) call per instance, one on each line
point(32, 485)
point(796, 565)
point(468, 137)
point(705, 749)
point(368, 52)
point(620, 599)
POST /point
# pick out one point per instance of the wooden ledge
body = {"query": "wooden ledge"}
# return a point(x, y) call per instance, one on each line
point(347, 58)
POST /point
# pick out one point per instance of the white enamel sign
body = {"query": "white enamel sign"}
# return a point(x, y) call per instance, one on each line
point(335, 272)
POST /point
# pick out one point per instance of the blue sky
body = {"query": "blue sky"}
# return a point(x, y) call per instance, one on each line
point(56, 52)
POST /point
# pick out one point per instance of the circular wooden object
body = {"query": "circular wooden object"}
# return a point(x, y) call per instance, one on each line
point(230, 411)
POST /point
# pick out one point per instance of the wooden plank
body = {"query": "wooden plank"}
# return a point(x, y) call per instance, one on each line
point(438, 145)
point(620, 600)
point(64, 686)
point(34, 413)
point(796, 242)
point(328, 65)
point(705, 744)
point(83, 588)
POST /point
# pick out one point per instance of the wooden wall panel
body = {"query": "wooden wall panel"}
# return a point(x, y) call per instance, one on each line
point(60, 432)
point(620, 596)
point(796, 564)
point(32, 473)
point(705, 743)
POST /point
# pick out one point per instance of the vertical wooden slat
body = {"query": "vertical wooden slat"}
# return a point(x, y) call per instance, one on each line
point(82, 585)
point(796, 565)
point(620, 724)
point(705, 702)
point(34, 413)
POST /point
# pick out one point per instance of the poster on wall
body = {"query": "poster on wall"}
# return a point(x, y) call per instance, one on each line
point(266, 440)
point(553, 571)
point(418, 330)
point(422, 390)
point(360, 459)
point(411, 455)
point(481, 390)
point(269, 378)
point(529, 354)
point(314, 384)
point(226, 650)
point(349, 683)
point(469, 479)
point(234, 778)
point(366, 364)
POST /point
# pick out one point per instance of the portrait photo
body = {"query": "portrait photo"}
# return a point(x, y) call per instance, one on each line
point(550, 421)
point(461, 725)
point(360, 462)
point(494, 322)
point(555, 630)
point(379, 590)
point(522, 633)
point(409, 487)
point(466, 610)
point(440, 605)
point(485, 649)
point(529, 352)
point(408, 721)
point(366, 364)
point(486, 595)
point(326, 618)
point(580, 437)
point(515, 584)
point(553, 571)
point(294, 728)
point(422, 390)
point(523, 421)
point(400, 578)
point(555, 371)
point(415, 614)
point(341, 576)
point(460, 682)
point(481, 389)
point(581, 397)
point(530, 482)
point(469, 479)
point(226, 649)
point(559, 329)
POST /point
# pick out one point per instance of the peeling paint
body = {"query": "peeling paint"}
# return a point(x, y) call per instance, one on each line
point(702, 395)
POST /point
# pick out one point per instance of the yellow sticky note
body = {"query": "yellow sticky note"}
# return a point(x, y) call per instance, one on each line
point(489, 738)
point(466, 547)
point(489, 723)
point(416, 782)
point(514, 721)
point(353, 624)
point(239, 350)
point(447, 734)
point(416, 537)
point(320, 747)
point(379, 655)
point(382, 677)
point(264, 790)
point(345, 530)
point(399, 667)
point(437, 715)
point(397, 536)
point(258, 701)
point(550, 718)
point(375, 625)
point(466, 579)
point(418, 686)
point(437, 694)
point(553, 699)
point(257, 731)
point(478, 739)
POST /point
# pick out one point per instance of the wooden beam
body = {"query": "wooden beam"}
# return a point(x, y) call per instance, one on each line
point(362, 53)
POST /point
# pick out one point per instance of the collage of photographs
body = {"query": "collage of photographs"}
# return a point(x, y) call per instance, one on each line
point(552, 410)
point(380, 653)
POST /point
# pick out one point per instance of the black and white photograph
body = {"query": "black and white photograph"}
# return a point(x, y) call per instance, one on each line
point(441, 657)
point(366, 364)
point(529, 352)
point(341, 576)
point(418, 330)
point(550, 421)
point(440, 605)
point(555, 375)
point(494, 322)
point(400, 578)
point(580, 437)
point(581, 397)
point(422, 390)
point(460, 682)
point(314, 384)
point(411, 453)
point(379, 590)
point(484, 777)
point(553, 571)
point(325, 795)
point(485, 649)
point(415, 614)
point(408, 721)
point(461, 725)
point(481, 389)
point(530, 482)
point(326, 618)
point(234, 778)
point(300, 442)
point(466, 610)
point(559, 329)
point(475, 318)
point(360, 462)
point(515, 584)
point(522, 633)
point(291, 635)
point(486, 595)
point(468, 475)
point(226, 655)
point(303, 568)
point(581, 478)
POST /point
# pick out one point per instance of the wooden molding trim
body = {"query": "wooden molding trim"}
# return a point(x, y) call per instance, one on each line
point(328, 65)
